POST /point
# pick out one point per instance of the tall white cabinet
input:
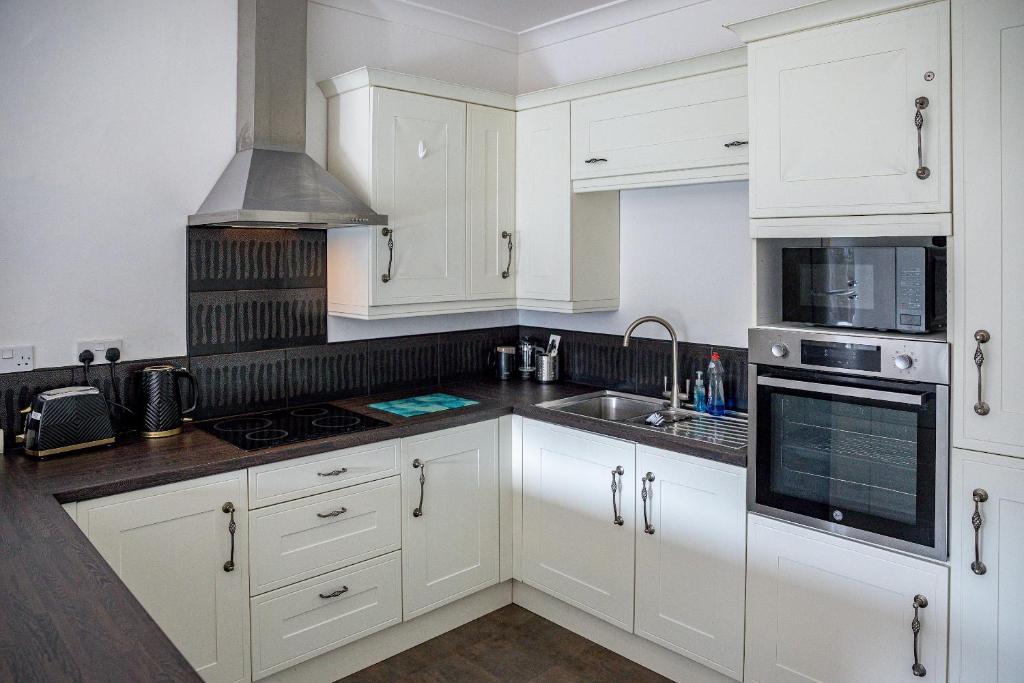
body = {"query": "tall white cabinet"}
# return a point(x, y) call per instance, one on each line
point(988, 52)
point(171, 545)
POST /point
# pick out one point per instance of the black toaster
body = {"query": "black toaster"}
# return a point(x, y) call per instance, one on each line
point(65, 420)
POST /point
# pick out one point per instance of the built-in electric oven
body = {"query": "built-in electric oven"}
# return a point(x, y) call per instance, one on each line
point(849, 434)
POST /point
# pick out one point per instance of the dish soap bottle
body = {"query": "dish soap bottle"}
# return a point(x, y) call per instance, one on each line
point(716, 389)
point(700, 403)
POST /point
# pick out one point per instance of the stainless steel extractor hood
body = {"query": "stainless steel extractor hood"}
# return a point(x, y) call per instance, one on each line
point(271, 181)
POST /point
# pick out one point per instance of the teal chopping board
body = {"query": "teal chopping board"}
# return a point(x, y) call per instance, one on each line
point(422, 405)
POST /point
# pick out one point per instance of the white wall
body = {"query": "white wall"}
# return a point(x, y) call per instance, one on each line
point(117, 116)
point(686, 256)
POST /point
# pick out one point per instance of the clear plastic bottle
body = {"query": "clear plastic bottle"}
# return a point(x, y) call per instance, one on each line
point(700, 403)
point(716, 389)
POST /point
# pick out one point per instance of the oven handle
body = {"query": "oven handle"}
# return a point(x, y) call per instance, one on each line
point(839, 390)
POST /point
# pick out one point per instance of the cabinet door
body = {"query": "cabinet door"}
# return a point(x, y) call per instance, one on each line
point(419, 181)
point(573, 548)
point(679, 125)
point(988, 42)
point(449, 515)
point(490, 201)
point(543, 204)
point(833, 117)
point(690, 566)
point(821, 608)
point(987, 627)
point(169, 545)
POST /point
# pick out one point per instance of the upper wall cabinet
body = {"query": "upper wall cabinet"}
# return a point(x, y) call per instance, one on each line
point(490, 202)
point(684, 131)
point(849, 115)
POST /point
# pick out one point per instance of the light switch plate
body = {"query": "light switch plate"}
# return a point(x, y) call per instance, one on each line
point(17, 358)
point(99, 348)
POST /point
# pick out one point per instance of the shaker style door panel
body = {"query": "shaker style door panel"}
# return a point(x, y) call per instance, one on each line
point(490, 201)
point(988, 43)
point(822, 608)
point(169, 545)
point(833, 115)
point(449, 515)
point(691, 563)
point(419, 181)
point(986, 626)
point(573, 548)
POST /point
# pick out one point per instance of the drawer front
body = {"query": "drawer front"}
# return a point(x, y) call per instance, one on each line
point(299, 622)
point(683, 124)
point(283, 481)
point(294, 541)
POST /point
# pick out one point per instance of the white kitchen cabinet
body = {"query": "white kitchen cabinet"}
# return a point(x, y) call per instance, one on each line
point(568, 244)
point(988, 49)
point(691, 562)
point(170, 546)
point(577, 529)
point(986, 626)
point(684, 131)
point(832, 112)
point(490, 202)
point(822, 608)
point(449, 515)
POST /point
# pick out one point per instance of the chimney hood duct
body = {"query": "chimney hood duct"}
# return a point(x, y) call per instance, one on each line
point(271, 182)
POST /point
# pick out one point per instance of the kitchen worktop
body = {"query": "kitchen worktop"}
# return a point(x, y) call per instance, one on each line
point(65, 615)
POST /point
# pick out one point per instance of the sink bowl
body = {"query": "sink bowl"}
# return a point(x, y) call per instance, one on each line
point(607, 405)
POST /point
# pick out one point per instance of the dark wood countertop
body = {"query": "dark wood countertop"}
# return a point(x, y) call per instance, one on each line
point(65, 615)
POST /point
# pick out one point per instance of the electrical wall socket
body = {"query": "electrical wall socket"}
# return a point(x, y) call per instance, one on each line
point(99, 348)
point(17, 358)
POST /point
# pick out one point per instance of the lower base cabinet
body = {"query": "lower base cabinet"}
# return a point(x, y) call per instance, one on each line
point(170, 545)
point(821, 608)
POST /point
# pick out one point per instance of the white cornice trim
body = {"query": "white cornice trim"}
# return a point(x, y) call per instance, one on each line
point(395, 80)
point(813, 16)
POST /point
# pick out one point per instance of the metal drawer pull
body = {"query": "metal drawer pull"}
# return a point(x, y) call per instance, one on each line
point(644, 494)
point(342, 591)
point(921, 103)
point(229, 508)
point(422, 467)
point(737, 143)
point(594, 160)
point(980, 496)
point(332, 513)
point(390, 234)
point(507, 235)
point(332, 473)
point(616, 485)
point(982, 337)
point(920, 602)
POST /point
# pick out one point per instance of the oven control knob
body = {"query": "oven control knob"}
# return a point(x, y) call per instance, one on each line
point(780, 350)
point(903, 361)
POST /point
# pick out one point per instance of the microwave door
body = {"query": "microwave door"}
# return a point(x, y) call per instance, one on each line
point(855, 287)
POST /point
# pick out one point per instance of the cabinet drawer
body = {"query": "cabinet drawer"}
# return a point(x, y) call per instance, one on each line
point(679, 125)
point(299, 622)
point(307, 476)
point(294, 541)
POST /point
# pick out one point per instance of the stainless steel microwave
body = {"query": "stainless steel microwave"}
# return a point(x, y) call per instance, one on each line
point(873, 288)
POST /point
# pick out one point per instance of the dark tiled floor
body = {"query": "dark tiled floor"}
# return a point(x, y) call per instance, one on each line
point(511, 644)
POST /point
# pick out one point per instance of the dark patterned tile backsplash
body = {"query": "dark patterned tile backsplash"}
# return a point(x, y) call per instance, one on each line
point(212, 323)
point(465, 354)
point(602, 360)
point(249, 258)
point(402, 362)
point(240, 382)
point(329, 371)
point(271, 319)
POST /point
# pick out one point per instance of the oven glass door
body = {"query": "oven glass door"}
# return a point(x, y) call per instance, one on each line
point(855, 452)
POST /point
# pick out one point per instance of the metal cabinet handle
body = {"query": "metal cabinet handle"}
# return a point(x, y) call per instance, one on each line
point(390, 234)
point(594, 160)
point(422, 467)
point(649, 477)
point(616, 487)
point(920, 104)
point(332, 473)
point(332, 513)
point(342, 591)
point(981, 337)
point(507, 235)
point(229, 508)
point(980, 496)
point(737, 143)
point(920, 602)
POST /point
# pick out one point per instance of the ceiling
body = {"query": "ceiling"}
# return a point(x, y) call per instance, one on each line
point(514, 16)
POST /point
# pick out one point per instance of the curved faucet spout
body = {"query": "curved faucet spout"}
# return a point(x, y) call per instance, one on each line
point(673, 397)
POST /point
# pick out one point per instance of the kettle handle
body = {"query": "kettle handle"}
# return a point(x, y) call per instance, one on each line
point(182, 372)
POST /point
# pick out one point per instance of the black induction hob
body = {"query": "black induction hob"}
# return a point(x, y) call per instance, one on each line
point(289, 425)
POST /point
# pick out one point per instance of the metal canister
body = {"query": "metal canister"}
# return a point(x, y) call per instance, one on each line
point(547, 367)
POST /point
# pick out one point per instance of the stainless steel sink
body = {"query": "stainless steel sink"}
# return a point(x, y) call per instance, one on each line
point(606, 405)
